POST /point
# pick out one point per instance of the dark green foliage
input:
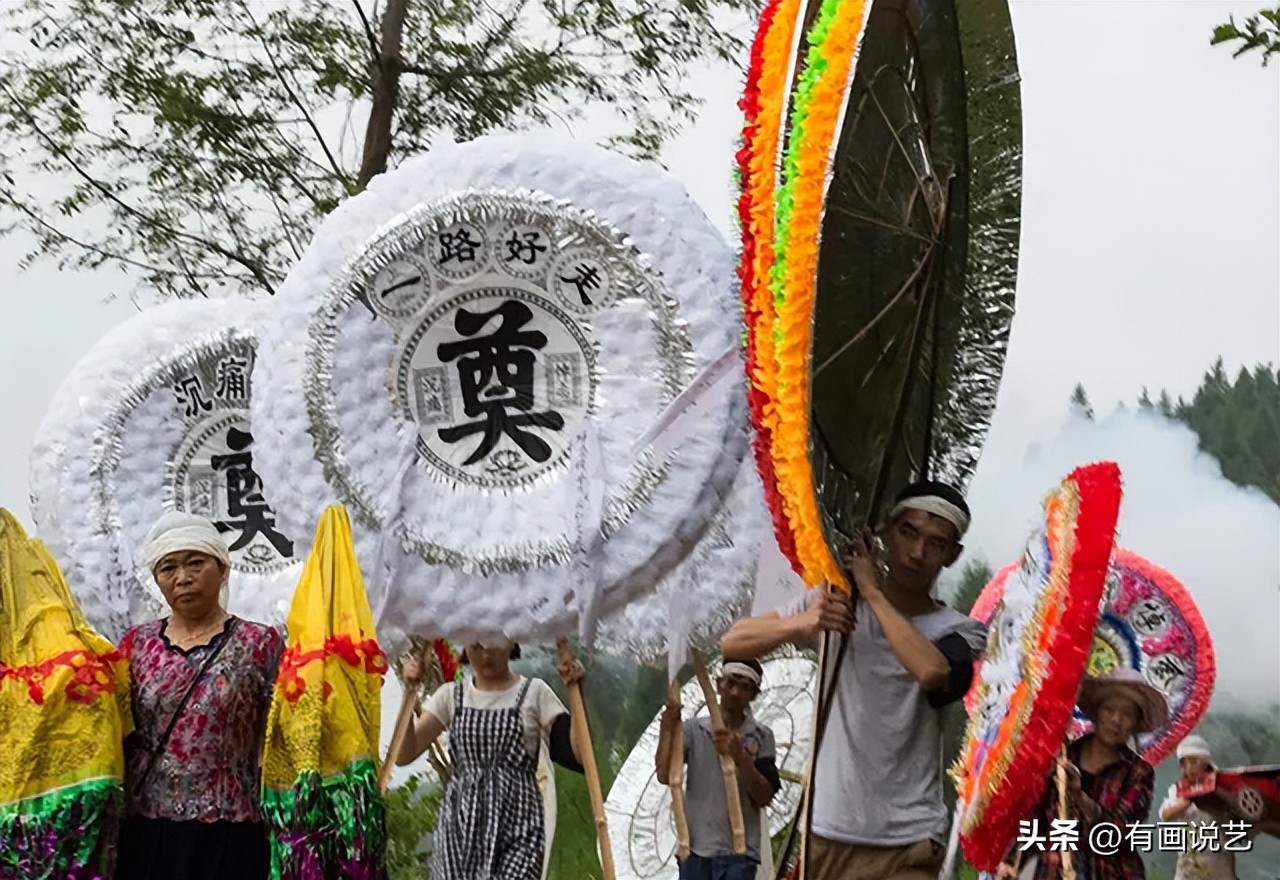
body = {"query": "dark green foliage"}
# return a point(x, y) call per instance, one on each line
point(1237, 422)
point(1261, 32)
point(622, 698)
point(1080, 402)
point(975, 575)
point(411, 816)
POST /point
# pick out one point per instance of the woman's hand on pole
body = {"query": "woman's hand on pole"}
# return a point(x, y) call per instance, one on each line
point(411, 672)
point(571, 671)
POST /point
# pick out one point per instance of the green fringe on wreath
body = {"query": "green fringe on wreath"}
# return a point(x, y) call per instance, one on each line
point(69, 833)
point(328, 829)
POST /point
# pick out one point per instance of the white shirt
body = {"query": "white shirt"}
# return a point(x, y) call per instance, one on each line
point(540, 708)
point(1211, 863)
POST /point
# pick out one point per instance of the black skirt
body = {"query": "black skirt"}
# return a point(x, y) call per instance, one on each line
point(163, 849)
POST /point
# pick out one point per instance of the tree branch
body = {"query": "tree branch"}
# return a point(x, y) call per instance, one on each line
point(311, 123)
point(368, 31)
point(83, 245)
point(130, 210)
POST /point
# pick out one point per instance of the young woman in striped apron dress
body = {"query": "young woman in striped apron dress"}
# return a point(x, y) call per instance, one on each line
point(490, 825)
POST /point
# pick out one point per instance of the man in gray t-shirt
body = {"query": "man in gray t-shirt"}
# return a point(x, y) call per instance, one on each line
point(750, 744)
point(877, 808)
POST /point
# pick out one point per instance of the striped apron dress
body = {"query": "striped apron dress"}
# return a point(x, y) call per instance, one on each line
point(490, 824)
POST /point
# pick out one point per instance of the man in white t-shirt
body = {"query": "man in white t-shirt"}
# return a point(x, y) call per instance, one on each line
point(878, 811)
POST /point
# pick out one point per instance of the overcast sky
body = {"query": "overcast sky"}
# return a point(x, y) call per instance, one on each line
point(1149, 248)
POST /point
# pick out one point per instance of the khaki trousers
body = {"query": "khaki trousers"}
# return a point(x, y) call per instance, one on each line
point(831, 860)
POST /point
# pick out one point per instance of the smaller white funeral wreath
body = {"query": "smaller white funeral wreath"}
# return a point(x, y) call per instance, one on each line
point(473, 348)
point(701, 597)
point(155, 417)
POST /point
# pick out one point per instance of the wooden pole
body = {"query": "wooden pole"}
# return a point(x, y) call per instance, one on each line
point(806, 794)
point(440, 761)
point(581, 733)
point(726, 763)
point(675, 778)
point(1068, 864)
point(823, 699)
point(403, 718)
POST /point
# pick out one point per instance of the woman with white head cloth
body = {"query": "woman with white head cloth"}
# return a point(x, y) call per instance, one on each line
point(1203, 858)
point(201, 687)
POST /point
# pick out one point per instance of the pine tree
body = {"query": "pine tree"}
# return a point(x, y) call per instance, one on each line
point(1080, 402)
point(1237, 422)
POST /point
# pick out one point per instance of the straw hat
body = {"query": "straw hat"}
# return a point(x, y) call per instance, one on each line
point(1130, 685)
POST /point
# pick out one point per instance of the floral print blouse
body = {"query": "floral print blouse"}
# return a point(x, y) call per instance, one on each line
point(209, 769)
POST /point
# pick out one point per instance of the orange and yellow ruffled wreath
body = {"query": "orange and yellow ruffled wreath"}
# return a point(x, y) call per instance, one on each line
point(819, 97)
point(763, 105)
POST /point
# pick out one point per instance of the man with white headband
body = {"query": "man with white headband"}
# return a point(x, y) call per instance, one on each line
point(751, 746)
point(878, 808)
point(1203, 857)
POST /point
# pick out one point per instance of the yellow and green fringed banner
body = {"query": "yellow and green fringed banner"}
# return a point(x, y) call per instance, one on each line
point(320, 796)
point(64, 713)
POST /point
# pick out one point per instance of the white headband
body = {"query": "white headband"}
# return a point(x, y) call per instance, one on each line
point(742, 670)
point(177, 531)
point(938, 507)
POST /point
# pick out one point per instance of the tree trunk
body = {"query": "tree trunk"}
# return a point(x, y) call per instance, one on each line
point(386, 94)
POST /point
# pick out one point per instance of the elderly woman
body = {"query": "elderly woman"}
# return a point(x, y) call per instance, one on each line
point(1106, 780)
point(1206, 860)
point(201, 686)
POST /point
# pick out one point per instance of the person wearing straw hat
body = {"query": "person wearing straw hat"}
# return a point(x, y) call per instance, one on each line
point(1107, 782)
point(878, 809)
point(751, 746)
point(201, 687)
point(490, 825)
point(1204, 857)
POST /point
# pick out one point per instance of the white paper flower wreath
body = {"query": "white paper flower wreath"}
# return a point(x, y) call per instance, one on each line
point(156, 417)
point(696, 603)
point(452, 347)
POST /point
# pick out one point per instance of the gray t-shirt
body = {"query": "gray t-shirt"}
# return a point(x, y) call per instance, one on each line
point(878, 779)
point(706, 808)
